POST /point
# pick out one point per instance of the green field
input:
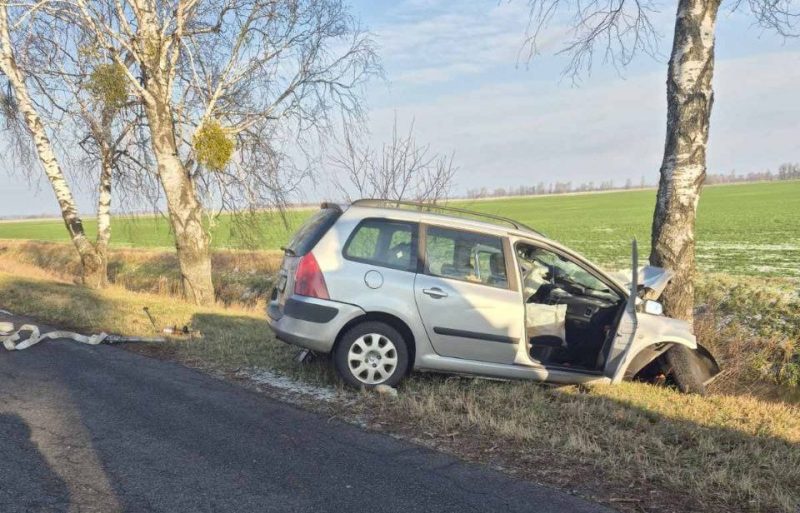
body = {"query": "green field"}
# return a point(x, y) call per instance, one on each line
point(742, 229)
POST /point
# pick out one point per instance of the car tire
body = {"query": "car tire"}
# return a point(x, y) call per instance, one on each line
point(684, 370)
point(370, 354)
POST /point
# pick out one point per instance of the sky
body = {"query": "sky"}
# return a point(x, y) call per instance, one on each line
point(457, 70)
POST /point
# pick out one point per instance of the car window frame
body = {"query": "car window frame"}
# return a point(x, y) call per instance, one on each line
point(318, 228)
point(580, 262)
point(508, 258)
point(413, 265)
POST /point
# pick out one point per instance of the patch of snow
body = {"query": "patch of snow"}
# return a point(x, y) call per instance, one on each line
point(769, 268)
point(749, 246)
point(285, 383)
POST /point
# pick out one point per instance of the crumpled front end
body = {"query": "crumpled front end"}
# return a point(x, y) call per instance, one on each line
point(652, 280)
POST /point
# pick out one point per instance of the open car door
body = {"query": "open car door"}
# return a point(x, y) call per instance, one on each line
point(625, 335)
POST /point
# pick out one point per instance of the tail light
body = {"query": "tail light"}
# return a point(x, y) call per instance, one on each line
point(308, 280)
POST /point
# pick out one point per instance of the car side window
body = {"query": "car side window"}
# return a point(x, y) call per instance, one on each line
point(465, 256)
point(384, 243)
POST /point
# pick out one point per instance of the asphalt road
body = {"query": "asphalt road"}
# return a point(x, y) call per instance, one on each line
point(100, 429)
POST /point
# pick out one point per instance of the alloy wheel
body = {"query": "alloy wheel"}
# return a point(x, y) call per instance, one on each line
point(372, 358)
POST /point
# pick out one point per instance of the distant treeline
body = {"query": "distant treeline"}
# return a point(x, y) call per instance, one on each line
point(786, 171)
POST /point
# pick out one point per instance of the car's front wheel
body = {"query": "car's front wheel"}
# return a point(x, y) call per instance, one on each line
point(370, 354)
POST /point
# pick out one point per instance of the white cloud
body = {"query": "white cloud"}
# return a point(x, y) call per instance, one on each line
point(433, 42)
point(435, 74)
point(527, 130)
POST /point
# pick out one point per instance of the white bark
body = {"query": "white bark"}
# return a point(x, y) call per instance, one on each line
point(690, 97)
point(185, 210)
point(270, 72)
point(44, 149)
point(157, 55)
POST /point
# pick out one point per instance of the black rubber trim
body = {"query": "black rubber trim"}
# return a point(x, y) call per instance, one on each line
point(309, 311)
point(274, 311)
point(473, 334)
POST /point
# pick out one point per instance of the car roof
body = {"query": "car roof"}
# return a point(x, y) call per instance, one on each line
point(438, 214)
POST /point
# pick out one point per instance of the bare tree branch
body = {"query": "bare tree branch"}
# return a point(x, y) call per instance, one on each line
point(614, 30)
point(401, 170)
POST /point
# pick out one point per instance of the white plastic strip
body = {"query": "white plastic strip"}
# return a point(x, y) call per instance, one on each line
point(14, 341)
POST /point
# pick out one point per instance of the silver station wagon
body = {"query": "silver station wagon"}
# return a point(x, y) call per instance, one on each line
point(388, 287)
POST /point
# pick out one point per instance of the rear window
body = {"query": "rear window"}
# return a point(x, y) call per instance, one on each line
point(384, 243)
point(312, 231)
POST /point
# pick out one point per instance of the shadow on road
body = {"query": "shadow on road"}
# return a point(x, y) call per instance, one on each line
point(28, 482)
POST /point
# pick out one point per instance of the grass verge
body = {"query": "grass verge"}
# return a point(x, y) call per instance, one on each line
point(635, 446)
point(240, 277)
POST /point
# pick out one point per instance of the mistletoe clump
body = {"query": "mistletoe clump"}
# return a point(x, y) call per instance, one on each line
point(212, 146)
point(109, 86)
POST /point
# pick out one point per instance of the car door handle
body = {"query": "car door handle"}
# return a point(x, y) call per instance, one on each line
point(435, 292)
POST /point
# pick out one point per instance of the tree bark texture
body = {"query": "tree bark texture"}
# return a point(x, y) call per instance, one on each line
point(90, 260)
point(683, 170)
point(184, 207)
point(100, 276)
point(185, 210)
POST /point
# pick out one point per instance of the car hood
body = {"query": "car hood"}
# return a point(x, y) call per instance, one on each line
point(650, 277)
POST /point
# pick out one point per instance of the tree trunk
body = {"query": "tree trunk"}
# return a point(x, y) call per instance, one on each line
point(100, 276)
point(185, 210)
point(683, 170)
point(69, 212)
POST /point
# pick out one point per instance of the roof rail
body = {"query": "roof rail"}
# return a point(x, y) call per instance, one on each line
point(387, 203)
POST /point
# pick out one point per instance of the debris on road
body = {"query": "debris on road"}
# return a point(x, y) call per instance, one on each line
point(175, 331)
point(304, 356)
point(386, 390)
point(14, 340)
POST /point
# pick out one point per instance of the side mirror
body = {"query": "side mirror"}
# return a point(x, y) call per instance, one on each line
point(653, 307)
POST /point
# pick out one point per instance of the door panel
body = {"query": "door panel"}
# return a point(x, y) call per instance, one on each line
point(470, 320)
point(464, 296)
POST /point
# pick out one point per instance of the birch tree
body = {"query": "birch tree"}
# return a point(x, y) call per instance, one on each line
point(400, 170)
point(20, 104)
point(616, 31)
point(230, 89)
point(103, 117)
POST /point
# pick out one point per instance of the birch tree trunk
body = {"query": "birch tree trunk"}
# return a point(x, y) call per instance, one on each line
point(683, 170)
point(185, 210)
point(157, 57)
point(104, 216)
point(91, 263)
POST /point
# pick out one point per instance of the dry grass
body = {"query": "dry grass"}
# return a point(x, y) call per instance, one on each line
point(669, 451)
point(752, 325)
point(635, 446)
point(240, 277)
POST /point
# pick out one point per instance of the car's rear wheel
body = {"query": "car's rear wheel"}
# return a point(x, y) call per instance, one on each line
point(370, 354)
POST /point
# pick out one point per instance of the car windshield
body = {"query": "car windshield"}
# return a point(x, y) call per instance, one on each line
point(540, 266)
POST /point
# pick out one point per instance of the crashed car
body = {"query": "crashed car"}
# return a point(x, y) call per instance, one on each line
point(388, 287)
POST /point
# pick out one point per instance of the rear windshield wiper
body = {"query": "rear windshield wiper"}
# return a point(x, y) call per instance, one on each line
point(288, 251)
